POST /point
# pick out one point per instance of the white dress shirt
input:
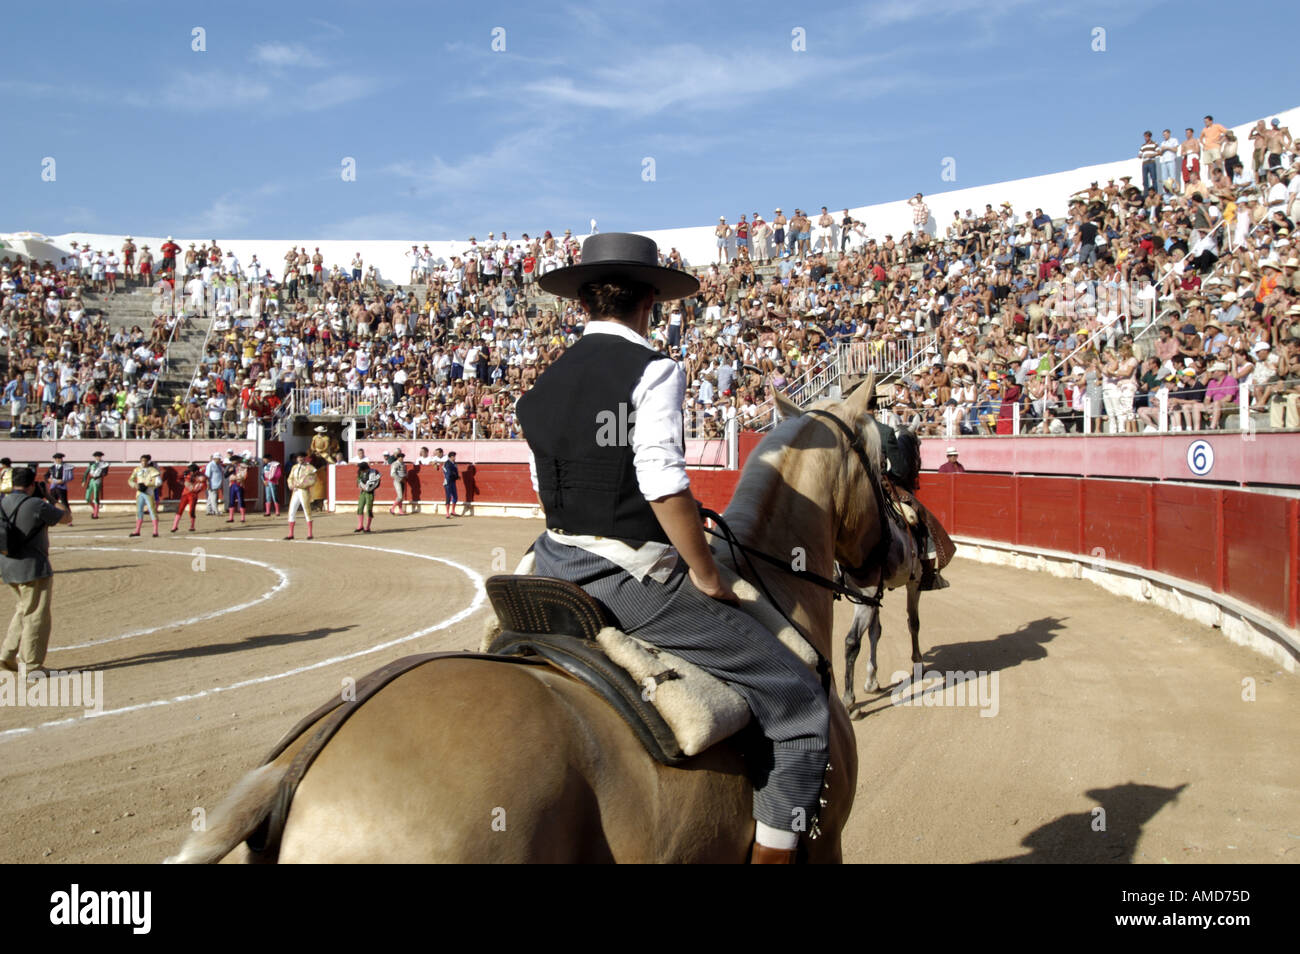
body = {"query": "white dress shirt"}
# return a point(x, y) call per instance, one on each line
point(658, 456)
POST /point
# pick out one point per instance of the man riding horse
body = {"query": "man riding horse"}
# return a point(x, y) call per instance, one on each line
point(607, 455)
point(902, 468)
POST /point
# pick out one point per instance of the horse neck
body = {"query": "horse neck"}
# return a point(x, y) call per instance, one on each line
point(784, 507)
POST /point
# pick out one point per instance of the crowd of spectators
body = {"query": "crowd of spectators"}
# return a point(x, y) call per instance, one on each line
point(67, 374)
point(1188, 283)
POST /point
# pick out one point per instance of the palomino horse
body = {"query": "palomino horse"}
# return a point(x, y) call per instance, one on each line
point(472, 760)
point(866, 618)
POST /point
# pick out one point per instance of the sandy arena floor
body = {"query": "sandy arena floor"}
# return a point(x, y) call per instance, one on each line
point(210, 654)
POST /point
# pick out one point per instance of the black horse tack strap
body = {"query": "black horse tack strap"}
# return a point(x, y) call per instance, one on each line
point(725, 533)
point(874, 558)
point(265, 839)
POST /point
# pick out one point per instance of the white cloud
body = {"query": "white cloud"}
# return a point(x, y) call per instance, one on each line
point(285, 54)
point(511, 157)
point(228, 213)
point(337, 90)
point(894, 12)
point(687, 76)
point(190, 91)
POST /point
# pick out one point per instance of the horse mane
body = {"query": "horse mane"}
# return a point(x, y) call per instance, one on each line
point(848, 503)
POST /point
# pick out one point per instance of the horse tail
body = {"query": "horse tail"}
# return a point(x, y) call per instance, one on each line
point(234, 819)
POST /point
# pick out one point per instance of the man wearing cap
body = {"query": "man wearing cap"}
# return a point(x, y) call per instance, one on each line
point(1277, 139)
point(368, 480)
point(637, 543)
point(168, 250)
point(397, 471)
point(57, 478)
point(722, 232)
point(450, 474)
point(301, 478)
point(93, 481)
point(28, 572)
point(144, 480)
point(324, 451)
point(1219, 390)
point(216, 475)
point(194, 484)
point(236, 473)
point(270, 484)
point(952, 466)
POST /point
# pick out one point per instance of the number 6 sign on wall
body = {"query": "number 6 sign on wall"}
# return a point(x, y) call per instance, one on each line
point(1200, 458)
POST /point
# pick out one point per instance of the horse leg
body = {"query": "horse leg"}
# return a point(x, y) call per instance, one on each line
point(873, 634)
point(914, 617)
point(852, 646)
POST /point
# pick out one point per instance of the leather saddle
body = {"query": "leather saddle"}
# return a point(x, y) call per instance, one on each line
point(944, 548)
point(558, 621)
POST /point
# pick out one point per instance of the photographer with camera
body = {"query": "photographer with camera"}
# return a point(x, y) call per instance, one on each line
point(25, 516)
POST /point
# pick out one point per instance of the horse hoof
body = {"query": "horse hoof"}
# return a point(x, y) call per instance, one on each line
point(872, 686)
point(848, 700)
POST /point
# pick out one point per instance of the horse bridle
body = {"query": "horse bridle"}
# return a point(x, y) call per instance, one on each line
point(875, 557)
point(881, 549)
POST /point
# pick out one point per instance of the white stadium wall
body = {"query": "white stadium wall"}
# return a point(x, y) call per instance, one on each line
point(696, 243)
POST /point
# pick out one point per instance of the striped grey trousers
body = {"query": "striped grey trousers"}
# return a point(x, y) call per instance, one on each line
point(785, 696)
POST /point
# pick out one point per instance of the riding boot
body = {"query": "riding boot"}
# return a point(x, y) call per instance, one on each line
point(290, 536)
point(763, 855)
point(155, 526)
point(931, 578)
point(176, 524)
point(369, 520)
point(361, 524)
point(309, 536)
point(243, 515)
point(138, 523)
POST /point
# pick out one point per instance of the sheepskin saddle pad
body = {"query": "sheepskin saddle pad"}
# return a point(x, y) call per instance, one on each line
point(675, 708)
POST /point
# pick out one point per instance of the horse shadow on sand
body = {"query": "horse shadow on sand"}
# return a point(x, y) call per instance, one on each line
point(218, 649)
point(1109, 836)
point(1005, 651)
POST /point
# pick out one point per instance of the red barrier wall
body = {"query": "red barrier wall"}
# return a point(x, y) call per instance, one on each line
point(1234, 457)
point(1237, 542)
point(1243, 544)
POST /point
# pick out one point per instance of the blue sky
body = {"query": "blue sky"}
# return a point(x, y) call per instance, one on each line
point(451, 137)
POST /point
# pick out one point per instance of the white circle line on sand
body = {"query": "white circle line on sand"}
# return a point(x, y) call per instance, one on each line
point(203, 618)
point(480, 596)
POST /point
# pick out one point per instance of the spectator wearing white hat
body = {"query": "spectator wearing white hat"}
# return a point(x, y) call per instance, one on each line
point(722, 235)
point(952, 465)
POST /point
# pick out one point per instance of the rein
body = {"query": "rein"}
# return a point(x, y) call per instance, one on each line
point(724, 532)
point(875, 557)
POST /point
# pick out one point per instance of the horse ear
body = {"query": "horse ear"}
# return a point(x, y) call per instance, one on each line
point(859, 397)
point(785, 408)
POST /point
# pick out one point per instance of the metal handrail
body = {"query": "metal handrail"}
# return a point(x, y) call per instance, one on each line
point(189, 391)
point(1153, 323)
point(171, 338)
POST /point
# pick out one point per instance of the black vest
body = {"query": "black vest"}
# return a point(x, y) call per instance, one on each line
point(578, 420)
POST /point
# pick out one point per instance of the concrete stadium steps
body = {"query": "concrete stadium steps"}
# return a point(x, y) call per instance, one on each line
point(126, 308)
point(183, 359)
